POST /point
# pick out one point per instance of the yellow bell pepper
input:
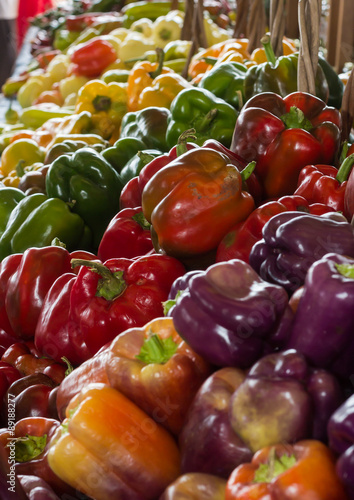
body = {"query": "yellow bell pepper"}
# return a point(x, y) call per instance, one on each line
point(71, 85)
point(24, 152)
point(107, 103)
point(167, 28)
point(143, 26)
point(134, 46)
point(162, 91)
point(33, 87)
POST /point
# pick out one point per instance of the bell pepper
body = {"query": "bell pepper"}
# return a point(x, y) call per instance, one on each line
point(24, 152)
point(64, 37)
point(238, 243)
point(36, 116)
point(148, 125)
point(279, 75)
point(163, 89)
point(37, 220)
point(293, 241)
point(225, 306)
point(226, 80)
point(92, 57)
point(280, 400)
point(106, 442)
point(105, 102)
point(328, 288)
point(137, 10)
point(303, 470)
point(89, 181)
point(325, 184)
point(8, 375)
point(300, 128)
point(120, 294)
point(127, 235)
point(194, 201)
point(30, 438)
point(157, 370)
point(167, 28)
point(9, 199)
point(68, 146)
point(196, 486)
point(335, 84)
point(200, 109)
point(341, 441)
point(122, 151)
point(33, 179)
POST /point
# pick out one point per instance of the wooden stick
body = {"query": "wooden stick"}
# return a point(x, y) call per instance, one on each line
point(174, 5)
point(186, 33)
point(256, 24)
point(200, 25)
point(242, 8)
point(278, 9)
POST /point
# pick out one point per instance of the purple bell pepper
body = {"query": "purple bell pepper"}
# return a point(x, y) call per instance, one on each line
point(229, 315)
point(281, 399)
point(323, 325)
point(341, 441)
point(293, 241)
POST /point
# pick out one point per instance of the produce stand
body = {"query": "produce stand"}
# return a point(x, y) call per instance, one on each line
point(177, 253)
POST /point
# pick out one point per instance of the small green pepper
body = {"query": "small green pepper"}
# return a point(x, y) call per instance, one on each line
point(9, 199)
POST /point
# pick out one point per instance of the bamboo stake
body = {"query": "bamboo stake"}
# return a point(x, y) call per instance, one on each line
point(240, 30)
point(309, 22)
point(256, 27)
point(278, 10)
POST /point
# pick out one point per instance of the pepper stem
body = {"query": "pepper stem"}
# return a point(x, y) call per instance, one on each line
point(275, 466)
point(296, 118)
point(111, 285)
point(157, 350)
point(28, 447)
point(268, 49)
point(183, 139)
point(20, 170)
point(145, 157)
point(208, 118)
point(346, 270)
point(345, 169)
point(247, 171)
point(102, 103)
point(160, 58)
point(141, 220)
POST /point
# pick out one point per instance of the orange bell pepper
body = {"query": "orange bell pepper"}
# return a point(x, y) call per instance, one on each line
point(157, 370)
point(141, 76)
point(162, 91)
point(305, 470)
point(259, 55)
point(109, 448)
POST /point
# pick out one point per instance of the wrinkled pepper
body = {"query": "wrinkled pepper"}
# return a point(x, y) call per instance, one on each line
point(238, 243)
point(305, 469)
point(285, 135)
point(106, 442)
point(225, 306)
point(88, 181)
point(157, 370)
point(234, 414)
point(127, 235)
point(293, 241)
point(107, 299)
point(194, 201)
point(341, 441)
point(198, 108)
point(37, 220)
point(325, 338)
point(148, 125)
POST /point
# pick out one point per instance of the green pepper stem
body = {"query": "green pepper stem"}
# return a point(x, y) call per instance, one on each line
point(346, 270)
point(20, 171)
point(102, 103)
point(69, 368)
point(183, 139)
point(344, 151)
point(140, 219)
point(345, 169)
point(274, 466)
point(210, 60)
point(145, 157)
point(160, 58)
point(111, 285)
point(268, 49)
point(157, 350)
point(208, 118)
point(28, 447)
point(247, 171)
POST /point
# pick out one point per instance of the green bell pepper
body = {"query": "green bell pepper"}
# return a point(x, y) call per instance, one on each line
point(63, 38)
point(226, 80)
point(87, 180)
point(115, 75)
point(279, 75)
point(133, 167)
point(37, 220)
point(9, 199)
point(66, 147)
point(148, 125)
point(200, 109)
point(151, 10)
point(335, 84)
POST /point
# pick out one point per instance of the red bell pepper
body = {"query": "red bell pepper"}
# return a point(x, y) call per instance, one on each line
point(237, 244)
point(127, 235)
point(8, 375)
point(107, 299)
point(325, 184)
point(285, 135)
point(7, 268)
point(57, 335)
point(92, 57)
point(304, 470)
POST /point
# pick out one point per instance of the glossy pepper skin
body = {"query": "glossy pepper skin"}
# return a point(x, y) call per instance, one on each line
point(304, 470)
point(326, 338)
point(238, 243)
point(226, 80)
point(234, 414)
point(196, 486)
point(157, 370)
point(37, 220)
point(127, 235)
point(285, 135)
point(92, 57)
point(210, 116)
point(149, 125)
point(107, 442)
point(228, 314)
point(293, 241)
point(9, 199)
point(341, 441)
point(130, 294)
point(194, 201)
point(325, 184)
point(88, 179)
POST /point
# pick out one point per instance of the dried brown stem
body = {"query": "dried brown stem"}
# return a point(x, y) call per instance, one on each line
point(256, 24)
point(309, 21)
point(278, 10)
point(242, 8)
point(186, 33)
